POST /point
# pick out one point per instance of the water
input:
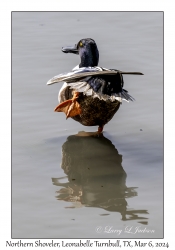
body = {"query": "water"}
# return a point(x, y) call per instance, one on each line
point(68, 186)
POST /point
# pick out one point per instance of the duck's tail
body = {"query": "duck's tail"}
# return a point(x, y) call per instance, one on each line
point(125, 96)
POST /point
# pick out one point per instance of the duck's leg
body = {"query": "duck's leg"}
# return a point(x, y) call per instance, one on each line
point(100, 129)
point(70, 107)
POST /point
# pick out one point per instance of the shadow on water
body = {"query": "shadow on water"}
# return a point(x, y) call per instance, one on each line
point(96, 177)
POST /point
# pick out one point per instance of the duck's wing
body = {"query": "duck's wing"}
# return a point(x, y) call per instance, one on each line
point(76, 73)
point(87, 90)
point(78, 80)
point(79, 74)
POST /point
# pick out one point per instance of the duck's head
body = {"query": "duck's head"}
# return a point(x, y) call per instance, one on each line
point(88, 51)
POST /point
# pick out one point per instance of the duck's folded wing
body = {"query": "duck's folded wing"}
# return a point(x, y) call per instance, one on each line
point(81, 73)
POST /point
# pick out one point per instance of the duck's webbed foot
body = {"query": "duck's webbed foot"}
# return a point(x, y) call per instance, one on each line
point(70, 107)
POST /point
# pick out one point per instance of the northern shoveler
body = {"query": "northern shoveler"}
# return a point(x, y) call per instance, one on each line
point(90, 94)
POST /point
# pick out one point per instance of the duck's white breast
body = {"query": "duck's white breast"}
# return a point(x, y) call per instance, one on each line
point(63, 87)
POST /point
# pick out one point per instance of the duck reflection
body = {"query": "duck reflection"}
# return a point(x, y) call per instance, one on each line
point(95, 175)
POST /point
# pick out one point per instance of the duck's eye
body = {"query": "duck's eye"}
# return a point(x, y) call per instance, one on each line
point(81, 44)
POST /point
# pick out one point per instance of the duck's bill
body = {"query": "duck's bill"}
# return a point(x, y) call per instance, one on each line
point(70, 49)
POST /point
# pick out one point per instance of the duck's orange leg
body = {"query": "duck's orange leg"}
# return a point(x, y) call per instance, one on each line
point(100, 129)
point(70, 107)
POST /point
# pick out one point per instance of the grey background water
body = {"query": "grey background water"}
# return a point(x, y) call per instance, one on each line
point(64, 186)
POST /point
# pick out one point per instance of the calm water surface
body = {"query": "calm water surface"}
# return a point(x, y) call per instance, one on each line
point(66, 184)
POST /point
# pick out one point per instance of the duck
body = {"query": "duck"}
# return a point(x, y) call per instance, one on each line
point(90, 95)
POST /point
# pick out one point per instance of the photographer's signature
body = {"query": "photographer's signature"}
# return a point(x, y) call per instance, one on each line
point(127, 229)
